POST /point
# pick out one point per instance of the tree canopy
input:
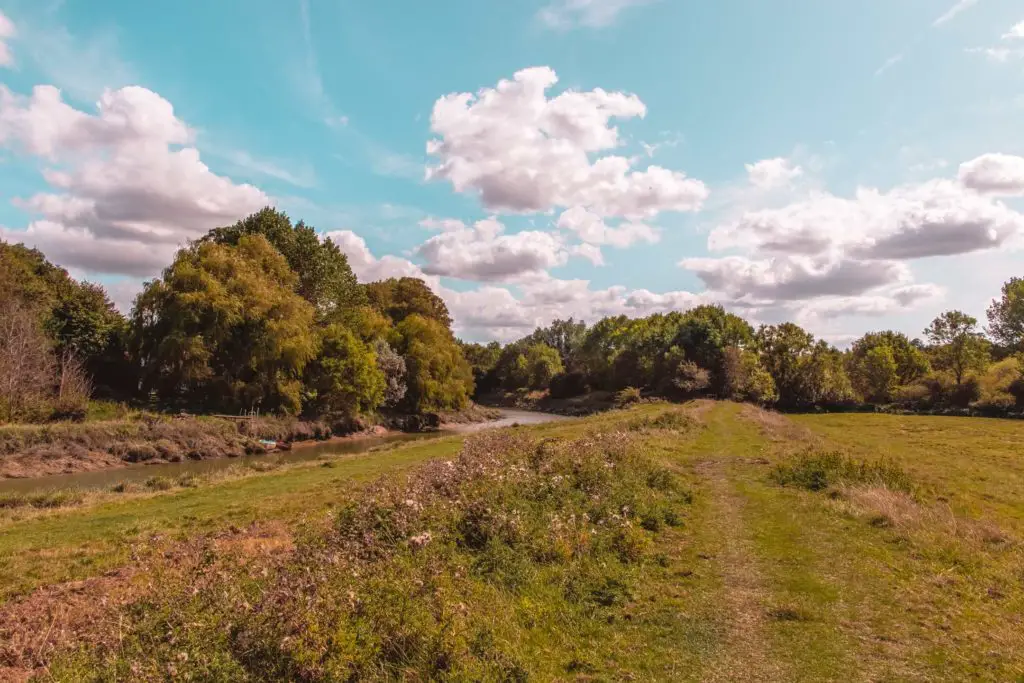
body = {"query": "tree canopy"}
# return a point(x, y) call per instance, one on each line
point(398, 298)
point(324, 277)
point(1006, 315)
point(225, 329)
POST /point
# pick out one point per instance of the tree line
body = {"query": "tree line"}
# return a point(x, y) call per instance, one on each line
point(261, 315)
point(265, 314)
point(706, 351)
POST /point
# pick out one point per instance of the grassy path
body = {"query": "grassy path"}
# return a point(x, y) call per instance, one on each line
point(742, 595)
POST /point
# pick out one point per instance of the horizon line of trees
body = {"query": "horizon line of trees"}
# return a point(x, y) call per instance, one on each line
point(266, 314)
point(706, 351)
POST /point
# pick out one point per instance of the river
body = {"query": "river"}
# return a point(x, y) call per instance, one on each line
point(138, 473)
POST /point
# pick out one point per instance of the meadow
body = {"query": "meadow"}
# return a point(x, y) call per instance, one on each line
point(706, 542)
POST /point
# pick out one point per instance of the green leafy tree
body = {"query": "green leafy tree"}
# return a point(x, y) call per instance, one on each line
point(344, 377)
point(77, 317)
point(543, 363)
point(398, 298)
point(782, 349)
point(957, 344)
point(438, 377)
point(392, 366)
point(911, 362)
point(822, 378)
point(1006, 316)
point(878, 374)
point(601, 347)
point(565, 336)
point(705, 332)
point(325, 278)
point(744, 379)
point(483, 358)
point(225, 330)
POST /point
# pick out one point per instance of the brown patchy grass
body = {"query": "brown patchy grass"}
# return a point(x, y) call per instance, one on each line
point(899, 510)
point(90, 613)
point(776, 427)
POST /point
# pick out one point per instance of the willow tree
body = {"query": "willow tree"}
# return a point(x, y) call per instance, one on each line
point(224, 329)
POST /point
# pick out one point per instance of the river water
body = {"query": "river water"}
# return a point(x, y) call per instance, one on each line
point(140, 473)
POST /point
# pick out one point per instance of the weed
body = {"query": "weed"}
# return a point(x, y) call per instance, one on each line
point(816, 471)
point(42, 499)
point(670, 420)
point(159, 484)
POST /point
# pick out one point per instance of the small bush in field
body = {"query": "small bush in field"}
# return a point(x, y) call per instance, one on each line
point(159, 484)
point(820, 471)
point(628, 397)
point(672, 420)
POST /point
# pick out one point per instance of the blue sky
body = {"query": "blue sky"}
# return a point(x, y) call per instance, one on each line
point(850, 166)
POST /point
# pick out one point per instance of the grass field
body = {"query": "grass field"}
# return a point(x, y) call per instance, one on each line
point(893, 552)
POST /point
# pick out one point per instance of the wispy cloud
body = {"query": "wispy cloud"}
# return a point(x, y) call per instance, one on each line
point(6, 31)
point(82, 66)
point(889, 63)
point(564, 14)
point(954, 11)
point(381, 160)
point(1015, 33)
point(249, 165)
point(308, 78)
point(1000, 55)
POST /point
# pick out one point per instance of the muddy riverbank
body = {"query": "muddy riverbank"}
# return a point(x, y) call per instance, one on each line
point(30, 451)
point(92, 475)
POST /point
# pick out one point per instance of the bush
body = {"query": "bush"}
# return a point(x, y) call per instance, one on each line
point(627, 397)
point(820, 471)
point(568, 385)
point(964, 394)
point(912, 396)
point(1016, 389)
point(691, 378)
point(996, 384)
point(670, 420)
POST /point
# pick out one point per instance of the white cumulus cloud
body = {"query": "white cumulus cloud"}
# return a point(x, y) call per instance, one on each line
point(593, 230)
point(1015, 33)
point(773, 173)
point(127, 188)
point(999, 174)
point(483, 252)
point(495, 312)
point(937, 218)
point(523, 152)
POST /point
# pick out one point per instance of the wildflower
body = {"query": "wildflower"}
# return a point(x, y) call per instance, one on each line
point(420, 540)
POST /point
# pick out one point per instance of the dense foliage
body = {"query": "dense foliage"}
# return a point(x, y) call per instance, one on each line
point(708, 352)
point(261, 315)
point(267, 315)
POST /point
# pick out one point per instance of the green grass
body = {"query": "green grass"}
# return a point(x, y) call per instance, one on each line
point(826, 547)
point(80, 542)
